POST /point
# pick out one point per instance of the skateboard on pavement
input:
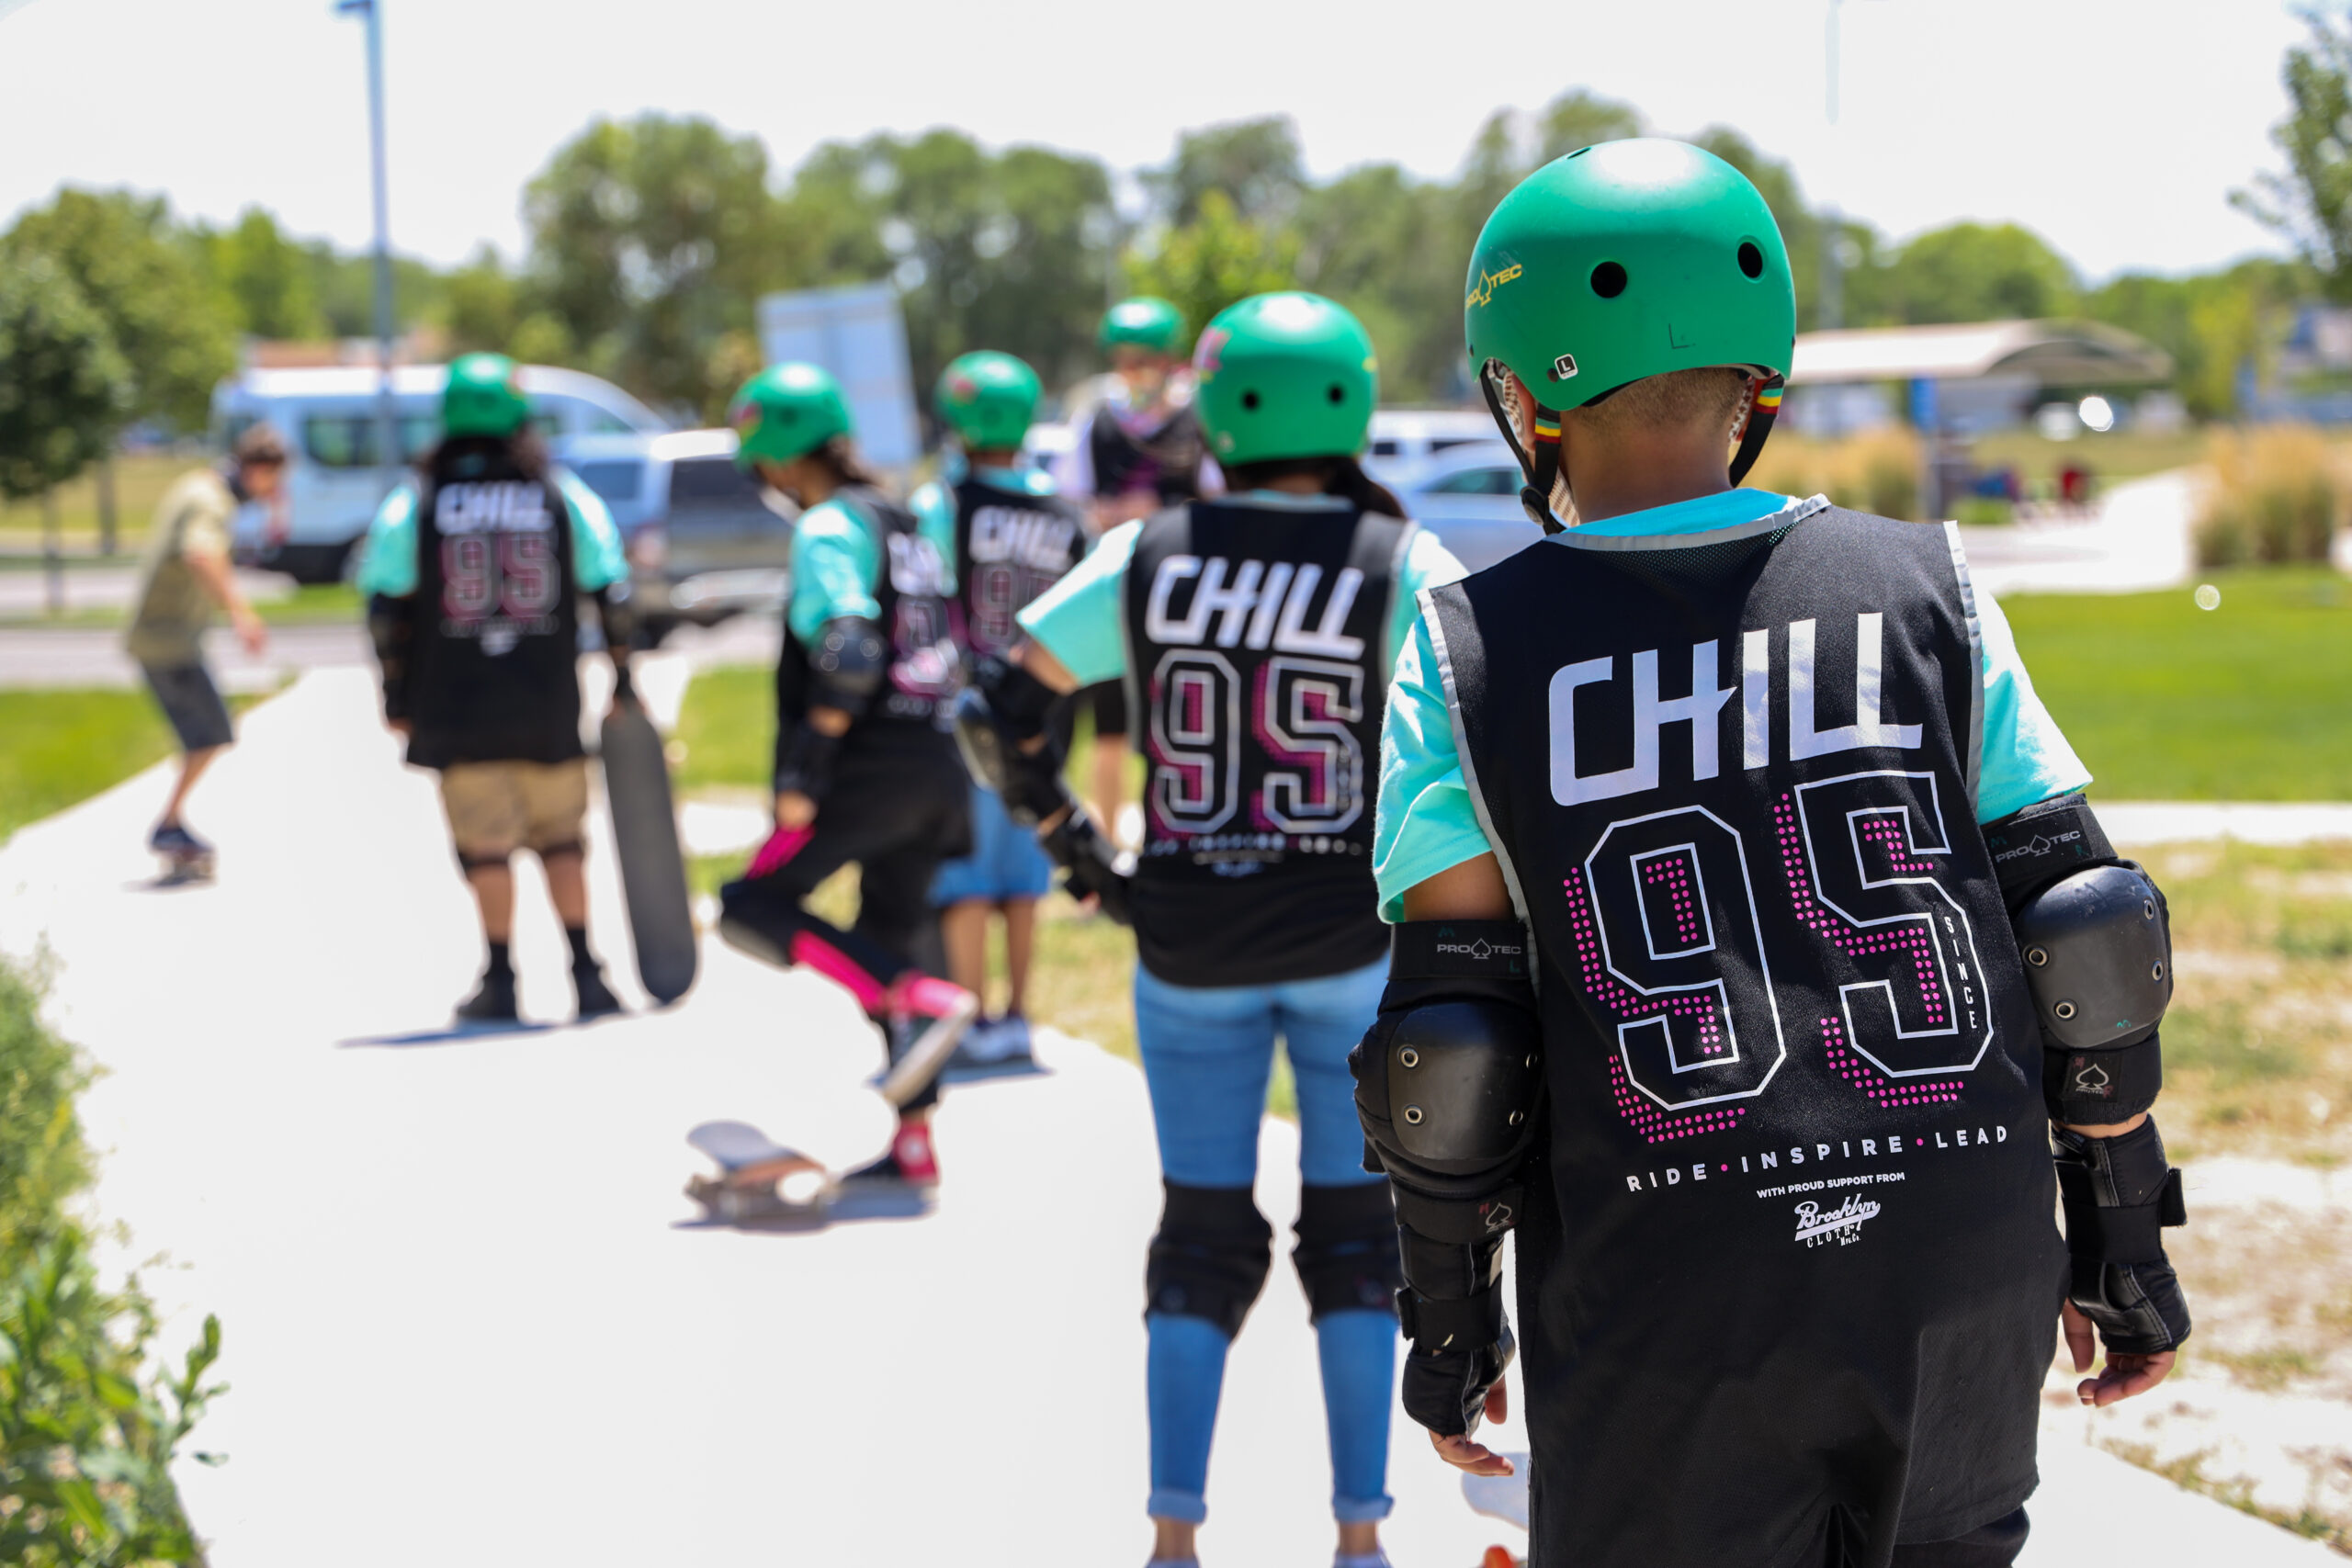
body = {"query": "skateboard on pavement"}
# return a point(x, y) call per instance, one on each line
point(653, 867)
point(185, 870)
point(759, 1179)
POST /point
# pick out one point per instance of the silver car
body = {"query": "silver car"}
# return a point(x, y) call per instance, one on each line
point(1468, 496)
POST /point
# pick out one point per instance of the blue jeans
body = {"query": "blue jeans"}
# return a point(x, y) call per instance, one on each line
point(1207, 1054)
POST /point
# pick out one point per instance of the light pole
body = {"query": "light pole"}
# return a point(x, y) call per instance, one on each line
point(388, 456)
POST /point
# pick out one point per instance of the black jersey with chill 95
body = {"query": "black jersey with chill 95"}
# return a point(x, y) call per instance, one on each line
point(1796, 1252)
point(1011, 545)
point(915, 606)
point(497, 629)
point(1257, 668)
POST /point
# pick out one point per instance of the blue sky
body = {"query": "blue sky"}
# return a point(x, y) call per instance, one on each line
point(2116, 130)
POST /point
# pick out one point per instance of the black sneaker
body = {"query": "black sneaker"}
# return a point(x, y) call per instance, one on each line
point(596, 999)
point(492, 1001)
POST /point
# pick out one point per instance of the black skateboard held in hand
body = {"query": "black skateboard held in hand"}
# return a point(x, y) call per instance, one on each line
point(654, 866)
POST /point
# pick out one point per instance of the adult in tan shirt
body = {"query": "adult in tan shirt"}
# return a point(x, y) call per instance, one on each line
point(185, 577)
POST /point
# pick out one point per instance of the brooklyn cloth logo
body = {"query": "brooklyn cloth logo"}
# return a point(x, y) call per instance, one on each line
point(1842, 1224)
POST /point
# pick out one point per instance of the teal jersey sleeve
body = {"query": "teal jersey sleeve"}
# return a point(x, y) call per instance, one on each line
point(1077, 620)
point(1426, 822)
point(933, 505)
point(2027, 758)
point(388, 559)
point(597, 558)
point(835, 564)
point(1428, 564)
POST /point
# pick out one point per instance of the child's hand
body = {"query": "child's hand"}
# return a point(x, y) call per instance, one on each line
point(1469, 1454)
point(2126, 1374)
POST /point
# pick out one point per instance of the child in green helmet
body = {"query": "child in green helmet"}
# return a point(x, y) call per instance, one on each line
point(1754, 948)
point(473, 574)
point(866, 767)
point(1253, 633)
point(1015, 538)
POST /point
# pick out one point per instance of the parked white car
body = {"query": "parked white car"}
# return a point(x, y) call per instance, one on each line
point(332, 479)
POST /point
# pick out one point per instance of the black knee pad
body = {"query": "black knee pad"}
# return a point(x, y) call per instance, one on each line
point(748, 936)
point(552, 852)
point(469, 863)
point(1209, 1259)
point(1346, 1255)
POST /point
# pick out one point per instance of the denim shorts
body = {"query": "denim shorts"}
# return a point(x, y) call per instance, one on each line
point(1006, 860)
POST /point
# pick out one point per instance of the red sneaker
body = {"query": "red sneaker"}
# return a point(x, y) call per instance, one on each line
point(909, 1163)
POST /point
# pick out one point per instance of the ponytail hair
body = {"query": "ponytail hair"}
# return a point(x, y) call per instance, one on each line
point(1366, 493)
point(1342, 476)
point(838, 454)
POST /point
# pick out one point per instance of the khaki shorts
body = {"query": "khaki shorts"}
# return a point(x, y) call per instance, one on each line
point(496, 808)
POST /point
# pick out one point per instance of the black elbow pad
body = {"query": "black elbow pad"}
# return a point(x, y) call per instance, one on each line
point(1449, 1078)
point(2096, 939)
point(847, 664)
point(616, 609)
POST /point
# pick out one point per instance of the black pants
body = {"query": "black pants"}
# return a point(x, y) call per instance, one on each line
point(897, 808)
point(1996, 1545)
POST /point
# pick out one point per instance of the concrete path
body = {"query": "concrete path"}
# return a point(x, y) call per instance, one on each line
point(94, 656)
point(2135, 539)
point(24, 592)
point(469, 1322)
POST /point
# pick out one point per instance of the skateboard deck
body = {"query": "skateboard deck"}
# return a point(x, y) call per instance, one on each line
point(758, 1177)
point(654, 866)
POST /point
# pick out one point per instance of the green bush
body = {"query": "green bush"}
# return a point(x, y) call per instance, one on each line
point(2277, 498)
point(87, 1430)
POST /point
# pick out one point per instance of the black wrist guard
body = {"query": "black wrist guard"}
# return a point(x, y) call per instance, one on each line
point(804, 762)
point(2119, 1194)
point(1001, 727)
point(1448, 1088)
point(1092, 864)
point(389, 628)
point(2096, 939)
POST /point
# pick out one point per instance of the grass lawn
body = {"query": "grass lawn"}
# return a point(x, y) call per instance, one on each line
point(63, 747)
point(322, 604)
point(2164, 701)
point(139, 480)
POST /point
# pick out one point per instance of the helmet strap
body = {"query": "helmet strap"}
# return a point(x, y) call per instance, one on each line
point(1539, 464)
point(1763, 408)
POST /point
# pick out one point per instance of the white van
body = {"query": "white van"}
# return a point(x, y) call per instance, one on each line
point(328, 417)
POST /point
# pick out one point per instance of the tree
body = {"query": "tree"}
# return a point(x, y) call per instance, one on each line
point(65, 389)
point(127, 264)
point(268, 278)
point(1365, 240)
point(1214, 260)
point(649, 240)
point(1255, 164)
point(1976, 272)
point(1580, 118)
point(2311, 203)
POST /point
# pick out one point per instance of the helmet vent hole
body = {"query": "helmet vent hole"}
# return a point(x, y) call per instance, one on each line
point(1338, 393)
point(1609, 280)
point(1249, 402)
point(1751, 260)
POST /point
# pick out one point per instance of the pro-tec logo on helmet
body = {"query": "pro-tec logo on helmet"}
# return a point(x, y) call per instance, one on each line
point(962, 388)
point(1484, 289)
point(745, 418)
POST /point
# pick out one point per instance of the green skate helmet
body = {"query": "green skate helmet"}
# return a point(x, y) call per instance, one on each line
point(1143, 323)
point(1624, 260)
point(483, 397)
point(987, 399)
point(786, 411)
point(1284, 376)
